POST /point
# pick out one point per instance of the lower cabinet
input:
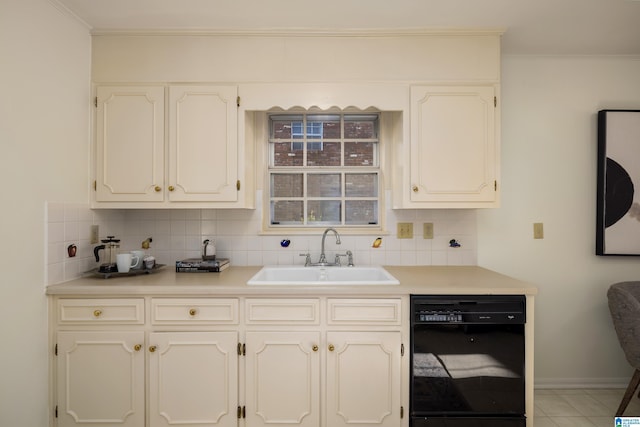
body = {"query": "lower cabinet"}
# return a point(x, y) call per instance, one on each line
point(193, 379)
point(290, 362)
point(100, 379)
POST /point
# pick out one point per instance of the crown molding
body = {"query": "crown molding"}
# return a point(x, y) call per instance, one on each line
point(304, 32)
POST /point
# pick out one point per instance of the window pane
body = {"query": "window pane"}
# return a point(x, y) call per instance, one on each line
point(323, 154)
point(359, 154)
point(360, 127)
point(287, 185)
point(287, 212)
point(286, 154)
point(361, 212)
point(323, 185)
point(361, 184)
point(323, 211)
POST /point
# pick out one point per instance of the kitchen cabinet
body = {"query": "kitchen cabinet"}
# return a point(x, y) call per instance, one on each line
point(193, 378)
point(453, 155)
point(168, 146)
point(353, 349)
point(214, 362)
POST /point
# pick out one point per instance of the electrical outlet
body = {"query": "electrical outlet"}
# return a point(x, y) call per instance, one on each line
point(405, 230)
point(94, 234)
point(538, 230)
point(427, 230)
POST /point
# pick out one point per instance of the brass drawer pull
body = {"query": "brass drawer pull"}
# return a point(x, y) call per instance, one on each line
point(331, 347)
point(315, 348)
point(152, 349)
point(193, 312)
point(97, 313)
point(137, 347)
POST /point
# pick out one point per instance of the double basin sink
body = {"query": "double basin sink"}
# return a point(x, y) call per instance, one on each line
point(323, 276)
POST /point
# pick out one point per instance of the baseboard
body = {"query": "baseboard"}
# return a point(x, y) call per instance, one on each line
point(569, 383)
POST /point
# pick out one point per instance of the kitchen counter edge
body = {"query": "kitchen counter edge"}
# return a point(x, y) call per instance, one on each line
point(458, 280)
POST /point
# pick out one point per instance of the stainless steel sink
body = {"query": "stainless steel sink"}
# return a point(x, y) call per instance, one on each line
point(323, 276)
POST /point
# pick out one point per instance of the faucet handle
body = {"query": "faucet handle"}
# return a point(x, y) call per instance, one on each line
point(337, 261)
point(307, 259)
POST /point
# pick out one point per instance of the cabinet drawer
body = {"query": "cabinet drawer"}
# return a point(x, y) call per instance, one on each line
point(109, 311)
point(365, 311)
point(280, 311)
point(194, 311)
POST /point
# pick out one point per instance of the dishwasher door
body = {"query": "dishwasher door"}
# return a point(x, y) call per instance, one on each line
point(469, 422)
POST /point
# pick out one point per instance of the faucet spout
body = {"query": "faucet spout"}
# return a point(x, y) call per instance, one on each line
point(323, 258)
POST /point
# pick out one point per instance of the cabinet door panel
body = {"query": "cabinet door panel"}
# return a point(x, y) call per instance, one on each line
point(363, 378)
point(100, 379)
point(453, 144)
point(283, 378)
point(193, 379)
point(203, 158)
point(130, 143)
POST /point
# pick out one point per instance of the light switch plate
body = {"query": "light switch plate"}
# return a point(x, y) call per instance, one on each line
point(405, 230)
point(427, 230)
point(538, 230)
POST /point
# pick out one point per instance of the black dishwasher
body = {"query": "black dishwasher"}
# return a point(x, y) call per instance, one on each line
point(467, 361)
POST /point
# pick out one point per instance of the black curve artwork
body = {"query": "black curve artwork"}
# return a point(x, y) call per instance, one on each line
point(618, 193)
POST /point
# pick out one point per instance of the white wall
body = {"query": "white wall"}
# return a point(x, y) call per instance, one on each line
point(549, 144)
point(44, 82)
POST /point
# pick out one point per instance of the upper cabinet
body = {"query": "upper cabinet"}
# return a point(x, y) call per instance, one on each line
point(129, 144)
point(168, 146)
point(453, 153)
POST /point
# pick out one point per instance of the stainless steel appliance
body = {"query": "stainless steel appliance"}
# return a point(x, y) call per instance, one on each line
point(467, 361)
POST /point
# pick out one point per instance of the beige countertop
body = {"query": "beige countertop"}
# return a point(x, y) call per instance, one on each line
point(413, 280)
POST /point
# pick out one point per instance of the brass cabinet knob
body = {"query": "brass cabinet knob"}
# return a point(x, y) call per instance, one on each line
point(171, 188)
point(152, 349)
point(315, 348)
point(137, 347)
point(97, 313)
point(415, 188)
point(331, 347)
point(158, 189)
point(193, 312)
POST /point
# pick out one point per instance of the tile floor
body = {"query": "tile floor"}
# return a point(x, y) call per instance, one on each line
point(580, 407)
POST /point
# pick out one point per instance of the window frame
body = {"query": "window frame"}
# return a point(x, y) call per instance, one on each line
point(307, 224)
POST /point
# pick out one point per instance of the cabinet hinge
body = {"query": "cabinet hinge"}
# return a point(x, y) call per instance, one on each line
point(95, 102)
point(402, 349)
point(242, 413)
point(495, 101)
point(56, 411)
point(55, 350)
point(402, 412)
point(95, 185)
point(238, 101)
point(242, 349)
point(238, 185)
point(495, 185)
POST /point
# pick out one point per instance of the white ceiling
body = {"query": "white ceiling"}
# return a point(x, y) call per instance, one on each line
point(610, 27)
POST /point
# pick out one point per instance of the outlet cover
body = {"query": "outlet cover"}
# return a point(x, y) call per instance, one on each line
point(94, 234)
point(427, 230)
point(405, 230)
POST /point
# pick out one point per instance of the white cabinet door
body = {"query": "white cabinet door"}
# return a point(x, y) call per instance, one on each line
point(203, 143)
point(130, 144)
point(363, 379)
point(282, 379)
point(454, 154)
point(193, 379)
point(100, 379)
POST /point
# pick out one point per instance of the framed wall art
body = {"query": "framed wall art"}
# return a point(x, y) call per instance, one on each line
point(618, 193)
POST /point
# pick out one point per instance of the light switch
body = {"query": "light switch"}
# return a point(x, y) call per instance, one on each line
point(538, 230)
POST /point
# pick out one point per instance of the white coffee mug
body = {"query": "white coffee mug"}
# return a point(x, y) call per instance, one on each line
point(139, 265)
point(125, 262)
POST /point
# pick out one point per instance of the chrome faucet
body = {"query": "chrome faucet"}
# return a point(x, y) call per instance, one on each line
point(323, 257)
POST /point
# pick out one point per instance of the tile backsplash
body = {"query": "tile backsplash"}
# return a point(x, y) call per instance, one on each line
point(179, 233)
